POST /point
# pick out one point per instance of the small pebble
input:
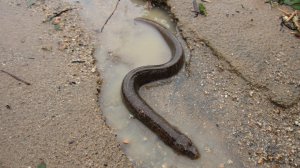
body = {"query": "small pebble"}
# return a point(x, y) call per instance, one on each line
point(229, 161)
point(221, 165)
point(126, 141)
point(8, 107)
point(47, 48)
point(71, 142)
point(207, 149)
point(251, 93)
point(261, 160)
point(93, 69)
point(72, 83)
point(56, 20)
point(289, 129)
point(131, 116)
point(164, 165)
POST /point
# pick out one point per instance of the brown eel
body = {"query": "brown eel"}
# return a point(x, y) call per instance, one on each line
point(141, 110)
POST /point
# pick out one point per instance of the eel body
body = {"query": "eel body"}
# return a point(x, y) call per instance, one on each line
point(141, 110)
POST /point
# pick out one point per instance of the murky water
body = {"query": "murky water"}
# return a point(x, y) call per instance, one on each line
point(125, 45)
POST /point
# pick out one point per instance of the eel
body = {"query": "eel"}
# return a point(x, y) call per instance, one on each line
point(140, 76)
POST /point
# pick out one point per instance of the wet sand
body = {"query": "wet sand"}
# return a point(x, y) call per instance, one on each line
point(56, 119)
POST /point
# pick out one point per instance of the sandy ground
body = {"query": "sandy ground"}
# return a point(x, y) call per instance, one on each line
point(247, 35)
point(245, 59)
point(56, 119)
point(247, 69)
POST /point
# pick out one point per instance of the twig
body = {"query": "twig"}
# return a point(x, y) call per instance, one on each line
point(110, 16)
point(283, 11)
point(292, 15)
point(21, 80)
point(78, 61)
point(56, 14)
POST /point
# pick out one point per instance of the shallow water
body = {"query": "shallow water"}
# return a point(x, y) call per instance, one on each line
point(124, 45)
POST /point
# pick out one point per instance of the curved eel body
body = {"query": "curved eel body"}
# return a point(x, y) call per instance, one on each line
point(141, 110)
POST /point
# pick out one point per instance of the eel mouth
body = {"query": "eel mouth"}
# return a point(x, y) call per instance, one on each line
point(193, 153)
point(185, 146)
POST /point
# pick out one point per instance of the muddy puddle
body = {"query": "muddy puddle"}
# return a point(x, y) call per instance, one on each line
point(126, 44)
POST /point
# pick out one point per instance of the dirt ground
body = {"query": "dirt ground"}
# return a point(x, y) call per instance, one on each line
point(248, 71)
point(56, 119)
point(255, 66)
